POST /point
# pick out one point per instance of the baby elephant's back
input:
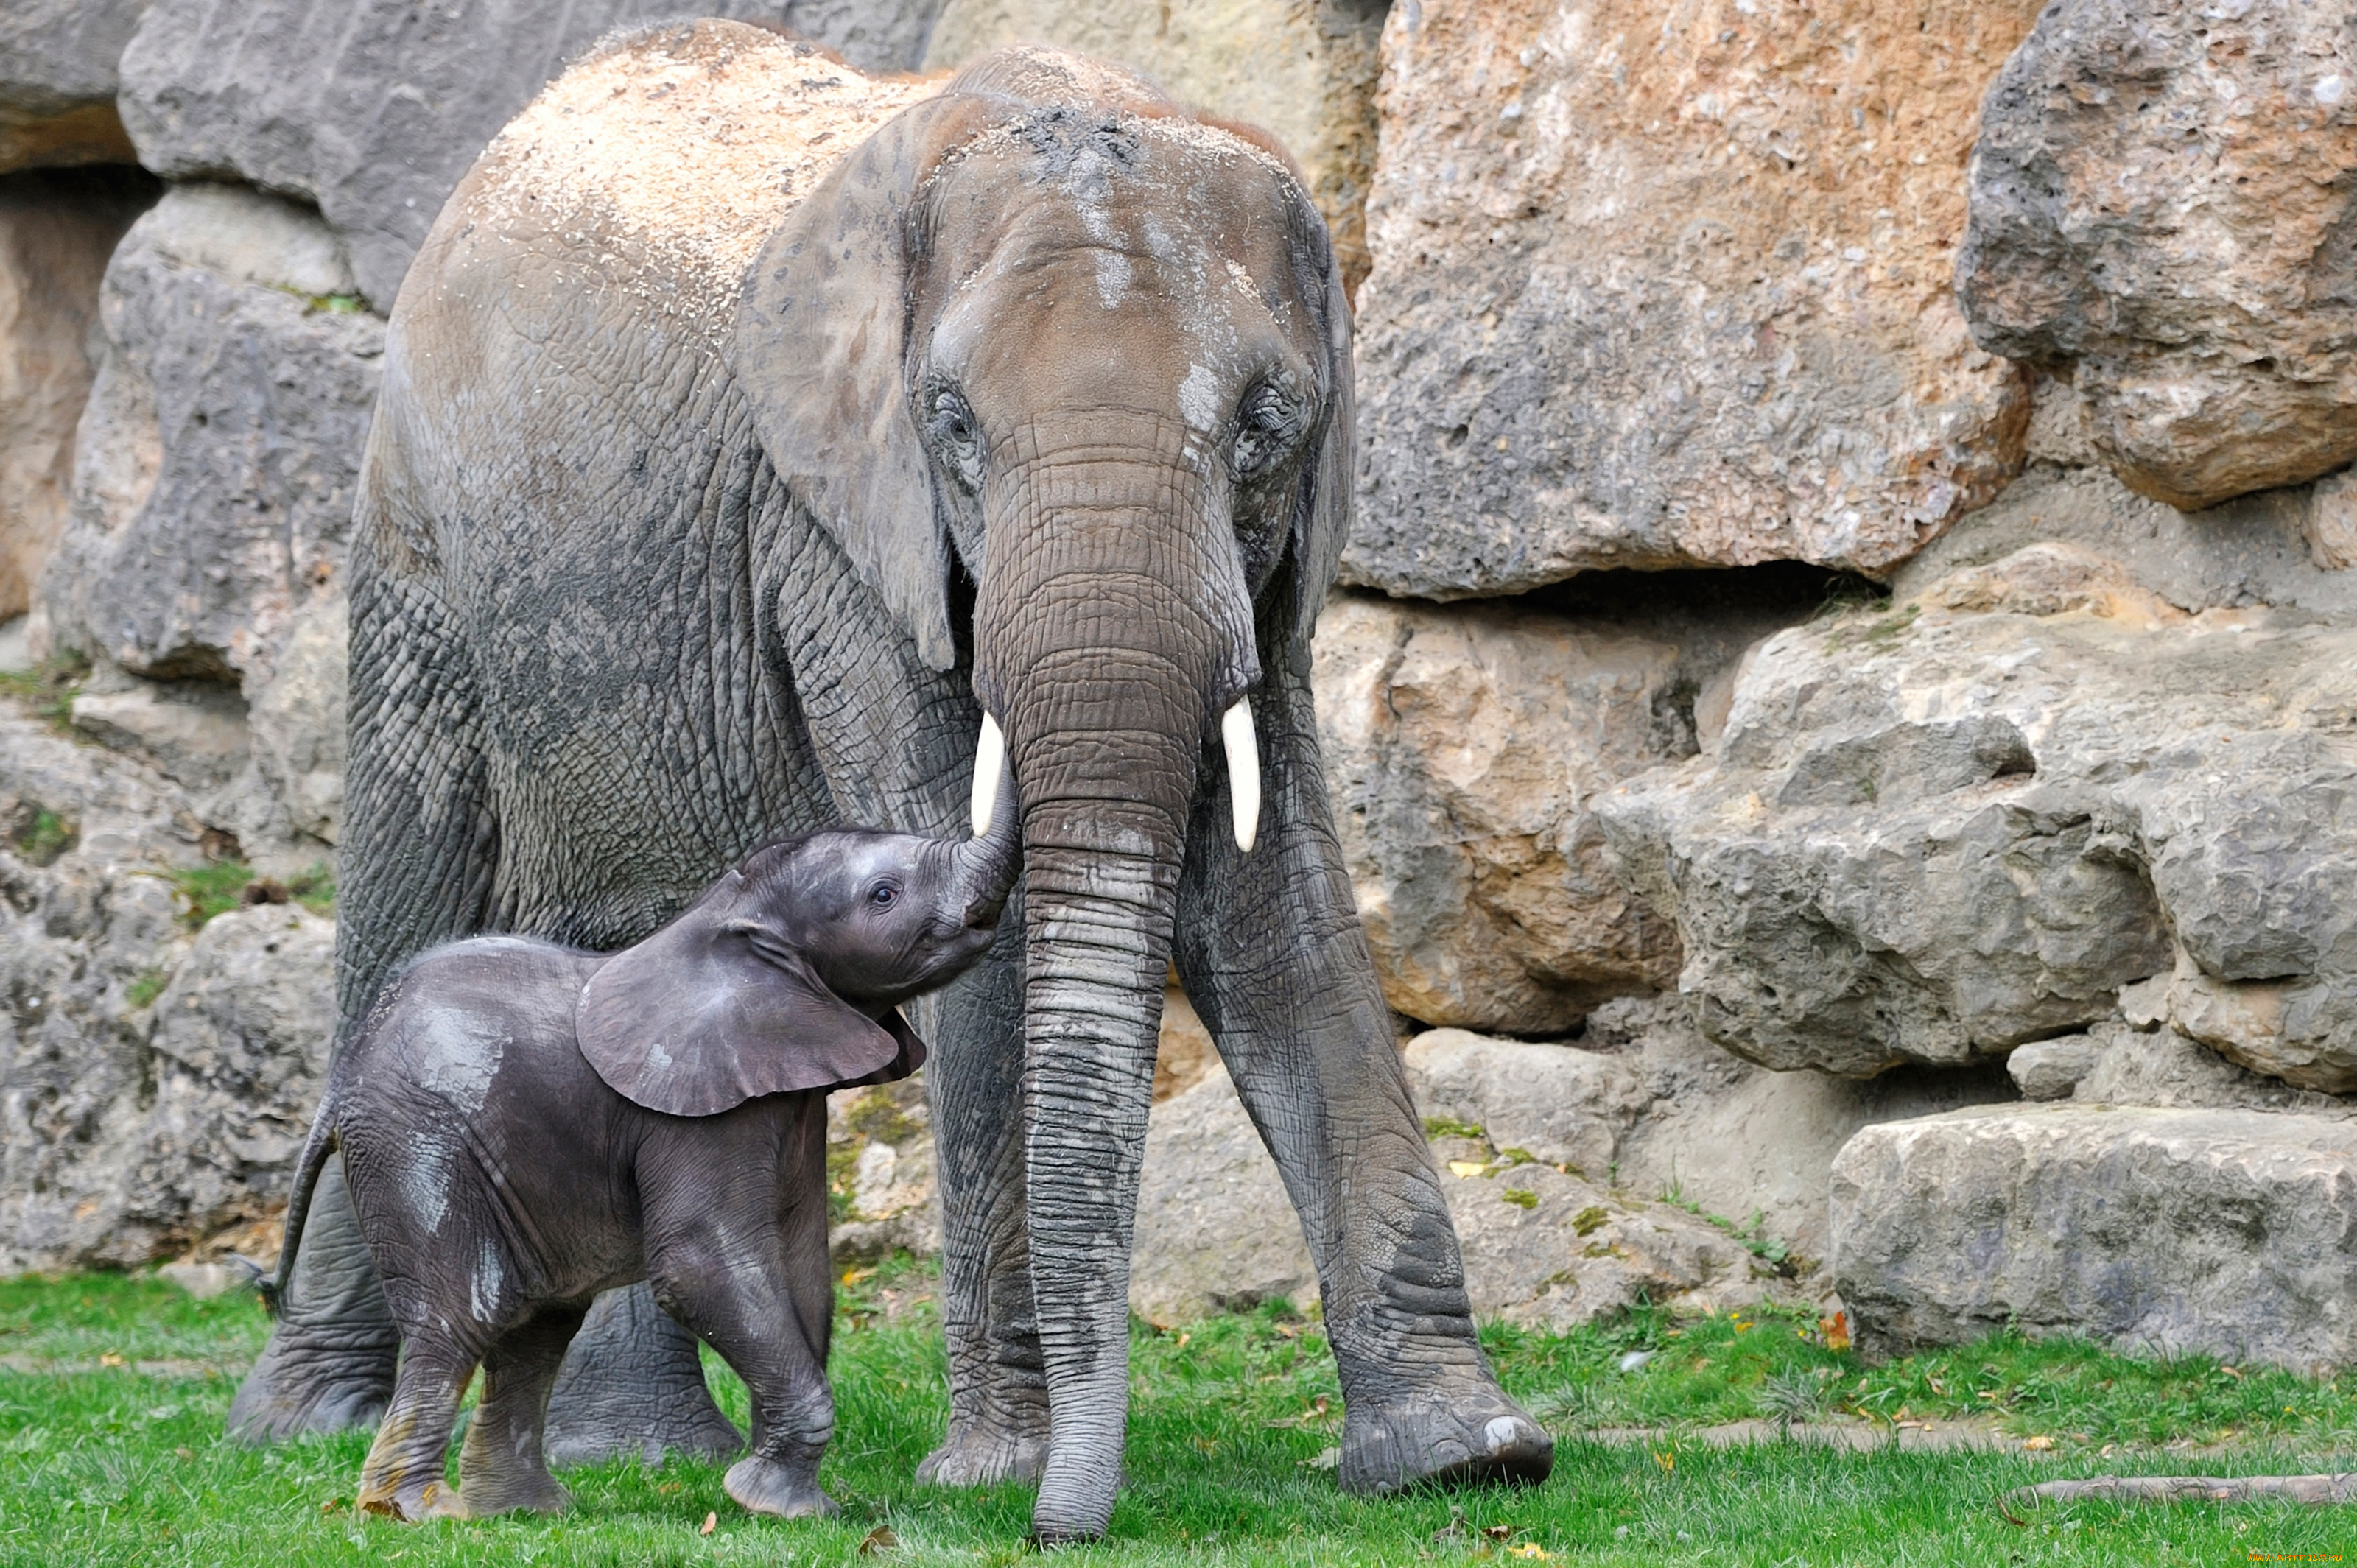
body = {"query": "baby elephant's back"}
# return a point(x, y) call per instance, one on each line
point(468, 1070)
point(485, 1020)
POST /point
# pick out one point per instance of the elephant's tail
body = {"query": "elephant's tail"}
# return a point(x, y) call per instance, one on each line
point(316, 1150)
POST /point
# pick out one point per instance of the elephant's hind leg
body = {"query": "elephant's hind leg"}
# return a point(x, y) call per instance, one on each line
point(333, 1350)
point(501, 1465)
point(633, 1387)
point(402, 1478)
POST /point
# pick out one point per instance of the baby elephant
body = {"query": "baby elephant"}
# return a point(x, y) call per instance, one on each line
point(525, 1126)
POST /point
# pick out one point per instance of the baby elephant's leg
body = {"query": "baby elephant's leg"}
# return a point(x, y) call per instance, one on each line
point(403, 1476)
point(761, 1296)
point(502, 1466)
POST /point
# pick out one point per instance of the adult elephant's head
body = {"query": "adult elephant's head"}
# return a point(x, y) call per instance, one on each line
point(1047, 329)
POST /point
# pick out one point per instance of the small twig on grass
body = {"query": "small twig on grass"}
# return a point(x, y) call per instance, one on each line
point(2315, 1490)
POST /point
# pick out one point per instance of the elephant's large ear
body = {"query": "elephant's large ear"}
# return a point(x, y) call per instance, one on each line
point(714, 1009)
point(819, 347)
point(1323, 517)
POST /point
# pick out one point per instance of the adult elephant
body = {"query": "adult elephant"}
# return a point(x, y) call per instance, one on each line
point(726, 483)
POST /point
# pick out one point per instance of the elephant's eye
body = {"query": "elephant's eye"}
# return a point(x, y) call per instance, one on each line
point(884, 894)
point(1268, 424)
point(950, 419)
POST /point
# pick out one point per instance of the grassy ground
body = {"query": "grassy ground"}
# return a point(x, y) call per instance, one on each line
point(111, 1451)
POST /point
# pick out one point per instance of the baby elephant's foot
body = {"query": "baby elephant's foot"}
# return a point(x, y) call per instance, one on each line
point(414, 1505)
point(772, 1486)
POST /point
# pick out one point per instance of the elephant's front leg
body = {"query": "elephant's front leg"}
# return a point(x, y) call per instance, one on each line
point(1272, 953)
point(897, 742)
point(973, 1086)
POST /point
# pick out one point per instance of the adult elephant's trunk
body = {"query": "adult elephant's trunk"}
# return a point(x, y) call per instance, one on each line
point(1112, 632)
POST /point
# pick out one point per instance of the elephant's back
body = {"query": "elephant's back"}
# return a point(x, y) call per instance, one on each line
point(661, 161)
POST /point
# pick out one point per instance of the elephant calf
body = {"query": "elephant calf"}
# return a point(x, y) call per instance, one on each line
point(525, 1124)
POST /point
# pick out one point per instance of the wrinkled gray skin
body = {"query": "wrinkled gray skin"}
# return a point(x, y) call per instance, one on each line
point(1036, 404)
point(524, 1125)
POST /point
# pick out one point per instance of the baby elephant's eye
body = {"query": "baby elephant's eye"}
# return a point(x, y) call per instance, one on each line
point(884, 894)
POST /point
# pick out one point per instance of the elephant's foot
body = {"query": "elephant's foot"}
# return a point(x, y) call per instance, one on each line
point(491, 1483)
point(1464, 1436)
point(632, 1386)
point(789, 1491)
point(997, 1445)
point(302, 1385)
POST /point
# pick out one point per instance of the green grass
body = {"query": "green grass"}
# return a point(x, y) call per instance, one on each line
point(48, 689)
point(125, 1462)
point(218, 886)
point(213, 889)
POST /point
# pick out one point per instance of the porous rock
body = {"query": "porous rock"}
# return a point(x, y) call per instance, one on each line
point(2053, 1219)
point(1305, 70)
point(1931, 833)
point(2164, 206)
point(880, 1172)
point(1215, 1231)
point(56, 233)
point(1557, 1104)
point(1462, 747)
point(155, 1086)
point(2149, 1065)
point(1554, 1251)
point(1653, 289)
point(1541, 1245)
point(219, 453)
point(1755, 1146)
point(2051, 1070)
point(374, 109)
point(59, 81)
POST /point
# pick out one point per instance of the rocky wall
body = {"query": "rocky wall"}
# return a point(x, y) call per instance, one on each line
point(1897, 817)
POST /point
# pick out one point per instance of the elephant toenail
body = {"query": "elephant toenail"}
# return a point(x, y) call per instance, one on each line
point(1501, 1429)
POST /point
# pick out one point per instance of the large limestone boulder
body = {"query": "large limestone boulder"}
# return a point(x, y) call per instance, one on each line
point(1462, 747)
point(219, 451)
point(1938, 829)
point(1644, 1104)
point(56, 233)
point(372, 109)
point(1302, 68)
point(1544, 1243)
point(1657, 288)
point(2228, 1233)
point(1558, 1105)
point(154, 1084)
point(58, 81)
point(1215, 1231)
point(2162, 202)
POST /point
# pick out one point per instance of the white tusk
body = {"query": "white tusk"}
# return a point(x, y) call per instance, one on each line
point(1243, 771)
point(989, 771)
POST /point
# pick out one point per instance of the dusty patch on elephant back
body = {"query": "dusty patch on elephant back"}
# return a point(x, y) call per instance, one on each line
point(683, 146)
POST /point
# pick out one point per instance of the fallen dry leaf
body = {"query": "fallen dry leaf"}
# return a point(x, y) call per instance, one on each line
point(2039, 1443)
point(880, 1539)
point(1835, 1331)
point(1462, 1169)
point(1497, 1532)
point(1668, 1462)
point(110, 1359)
point(1528, 1549)
point(711, 1523)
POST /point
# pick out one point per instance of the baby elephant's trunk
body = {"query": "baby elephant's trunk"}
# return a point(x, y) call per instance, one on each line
point(987, 863)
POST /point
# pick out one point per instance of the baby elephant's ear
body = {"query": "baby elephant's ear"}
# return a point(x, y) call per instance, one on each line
point(714, 1009)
